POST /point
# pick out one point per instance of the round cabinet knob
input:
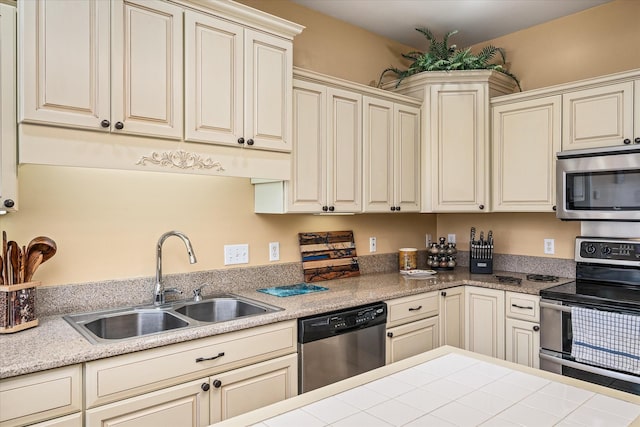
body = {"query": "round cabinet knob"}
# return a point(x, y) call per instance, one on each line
point(119, 125)
point(536, 328)
point(105, 123)
point(9, 203)
point(444, 294)
point(217, 383)
point(627, 141)
point(240, 140)
point(205, 386)
point(393, 208)
point(481, 207)
point(249, 141)
point(390, 334)
point(636, 141)
point(331, 209)
point(554, 208)
point(325, 208)
point(397, 208)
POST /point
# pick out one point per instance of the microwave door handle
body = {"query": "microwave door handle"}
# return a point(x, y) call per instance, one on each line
point(555, 307)
point(590, 369)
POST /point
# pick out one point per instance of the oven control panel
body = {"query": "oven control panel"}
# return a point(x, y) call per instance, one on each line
point(608, 251)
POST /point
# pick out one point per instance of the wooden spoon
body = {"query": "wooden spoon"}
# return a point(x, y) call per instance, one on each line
point(5, 261)
point(43, 244)
point(14, 259)
point(2, 270)
point(33, 262)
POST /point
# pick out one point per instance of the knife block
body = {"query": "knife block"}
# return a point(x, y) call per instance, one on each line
point(481, 265)
point(18, 307)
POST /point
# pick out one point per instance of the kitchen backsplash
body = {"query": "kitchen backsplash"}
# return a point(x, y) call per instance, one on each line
point(82, 297)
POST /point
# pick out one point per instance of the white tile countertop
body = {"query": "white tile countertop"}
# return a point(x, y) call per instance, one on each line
point(451, 387)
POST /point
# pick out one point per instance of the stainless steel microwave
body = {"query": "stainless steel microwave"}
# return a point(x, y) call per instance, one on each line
point(599, 185)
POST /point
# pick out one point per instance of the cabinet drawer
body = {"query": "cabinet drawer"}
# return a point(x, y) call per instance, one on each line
point(523, 306)
point(128, 375)
point(40, 396)
point(409, 309)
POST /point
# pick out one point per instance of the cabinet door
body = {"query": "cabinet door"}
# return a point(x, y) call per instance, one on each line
point(182, 405)
point(484, 332)
point(459, 147)
point(243, 390)
point(268, 86)
point(344, 150)
point(411, 339)
point(598, 117)
point(407, 158)
point(523, 342)
point(452, 317)
point(214, 70)
point(146, 72)
point(8, 131)
point(526, 138)
point(378, 153)
point(307, 188)
point(65, 62)
point(74, 420)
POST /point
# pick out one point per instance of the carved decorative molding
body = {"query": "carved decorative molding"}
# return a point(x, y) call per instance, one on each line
point(180, 159)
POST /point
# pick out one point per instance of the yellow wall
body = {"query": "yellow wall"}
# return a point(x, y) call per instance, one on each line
point(106, 223)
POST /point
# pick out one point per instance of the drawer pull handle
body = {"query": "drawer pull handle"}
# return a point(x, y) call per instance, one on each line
point(202, 359)
point(415, 309)
point(521, 306)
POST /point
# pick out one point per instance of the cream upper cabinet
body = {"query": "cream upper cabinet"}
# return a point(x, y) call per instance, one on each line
point(8, 131)
point(146, 63)
point(452, 318)
point(455, 152)
point(600, 117)
point(485, 328)
point(65, 62)
point(459, 147)
point(526, 137)
point(391, 147)
point(86, 67)
point(238, 85)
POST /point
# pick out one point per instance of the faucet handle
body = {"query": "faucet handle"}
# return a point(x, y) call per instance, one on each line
point(197, 292)
point(172, 291)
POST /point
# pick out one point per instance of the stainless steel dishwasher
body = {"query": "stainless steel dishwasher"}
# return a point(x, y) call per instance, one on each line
point(340, 344)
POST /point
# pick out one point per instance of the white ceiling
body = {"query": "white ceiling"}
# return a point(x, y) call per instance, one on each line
point(475, 20)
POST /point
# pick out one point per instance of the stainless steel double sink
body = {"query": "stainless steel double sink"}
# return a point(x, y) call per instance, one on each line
point(131, 322)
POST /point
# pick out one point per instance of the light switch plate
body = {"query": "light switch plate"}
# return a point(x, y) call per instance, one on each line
point(236, 254)
point(549, 246)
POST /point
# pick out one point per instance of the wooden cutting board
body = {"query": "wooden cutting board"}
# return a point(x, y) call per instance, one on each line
point(328, 255)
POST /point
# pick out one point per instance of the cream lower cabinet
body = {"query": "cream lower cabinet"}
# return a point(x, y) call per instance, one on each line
point(412, 326)
point(204, 401)
point(485, 330)
point(525, 139)
point(194, 383)
point(8, 130)
point(391, 147)
point(522, 341)
point(452, 317)
point(53, 397)
point(603, 116)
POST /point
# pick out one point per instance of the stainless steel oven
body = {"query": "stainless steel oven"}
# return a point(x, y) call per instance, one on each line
point(607, 284)
point(599, 185)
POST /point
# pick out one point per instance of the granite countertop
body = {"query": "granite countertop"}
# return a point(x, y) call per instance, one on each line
point(446, 387)
point(54, 343)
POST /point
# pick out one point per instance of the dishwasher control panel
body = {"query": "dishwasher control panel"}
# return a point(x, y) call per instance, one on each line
point(343, 321)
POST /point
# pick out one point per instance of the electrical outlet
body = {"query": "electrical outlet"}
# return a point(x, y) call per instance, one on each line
point(373, 245)
point(236, 254)
point(549, 246)
point(274, 251)
point(427, 240)
point(451, 238)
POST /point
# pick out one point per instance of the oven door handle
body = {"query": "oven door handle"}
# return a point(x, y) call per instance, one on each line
point(557, 307)
point(591, 369)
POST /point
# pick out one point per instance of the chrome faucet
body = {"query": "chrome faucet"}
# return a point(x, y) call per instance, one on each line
point(159, 291)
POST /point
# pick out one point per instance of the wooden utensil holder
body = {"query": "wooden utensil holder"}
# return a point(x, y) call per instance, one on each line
point(18, 307)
